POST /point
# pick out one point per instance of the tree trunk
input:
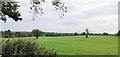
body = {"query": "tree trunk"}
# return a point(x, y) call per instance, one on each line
point(86, 35)
point(36, 37)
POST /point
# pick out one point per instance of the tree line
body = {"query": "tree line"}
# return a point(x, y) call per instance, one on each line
point(36, 33)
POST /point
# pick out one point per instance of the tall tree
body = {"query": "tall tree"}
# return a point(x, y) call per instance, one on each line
point(87, 33)
point(36, 33)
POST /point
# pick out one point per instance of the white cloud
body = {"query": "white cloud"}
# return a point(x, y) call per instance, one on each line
point(98, 16)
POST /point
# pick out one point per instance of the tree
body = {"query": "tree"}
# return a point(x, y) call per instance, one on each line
point(7, 34)
point(104, 33)
point(118, 34)
point(57, 4)
point(2, 34)
point(75, 34)
point(87, 33)
point(36, 33)
point(83, 33)
point(10, 9)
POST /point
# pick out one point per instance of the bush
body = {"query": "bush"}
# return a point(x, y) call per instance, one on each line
point(25, 48)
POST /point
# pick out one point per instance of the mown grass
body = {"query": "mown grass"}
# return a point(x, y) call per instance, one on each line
point(79, 45)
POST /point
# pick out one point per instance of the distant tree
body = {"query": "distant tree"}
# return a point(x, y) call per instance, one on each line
point(18, 34)
point(90, 33)
point(118, 34)
point(83, 33)
point(104, 33)
point(75, 34)
point(36, 33)
point(29, 34)
point(7, 33)
point(87, 33)
point(12, 34)
point(2, 34)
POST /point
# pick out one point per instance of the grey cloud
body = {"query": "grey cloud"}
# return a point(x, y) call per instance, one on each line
point(76, 20)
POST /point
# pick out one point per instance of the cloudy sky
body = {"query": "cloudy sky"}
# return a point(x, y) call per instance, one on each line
point(96, 15)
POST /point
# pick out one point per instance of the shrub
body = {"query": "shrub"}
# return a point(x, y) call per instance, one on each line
point(25, 48)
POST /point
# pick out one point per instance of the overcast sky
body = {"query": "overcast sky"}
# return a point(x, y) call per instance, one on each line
point(96, 15)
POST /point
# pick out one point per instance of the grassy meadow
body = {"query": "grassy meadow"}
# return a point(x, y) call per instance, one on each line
point(79, 45)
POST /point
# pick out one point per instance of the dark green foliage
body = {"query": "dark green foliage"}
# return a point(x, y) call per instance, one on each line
point(83, 33)
point(37, 33)
point(75, 34)
point(25, 48)
point(104, 33)
point(22, 34)
point(118, 34)
point(48, 34)
point(11, 34)
point(6, 34)
point(10, 9)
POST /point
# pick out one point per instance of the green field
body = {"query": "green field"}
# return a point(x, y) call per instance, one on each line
point(79, 45)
